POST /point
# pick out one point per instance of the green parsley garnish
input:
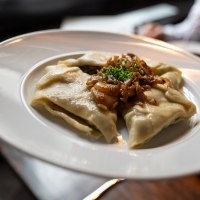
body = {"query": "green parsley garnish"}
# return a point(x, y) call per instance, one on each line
point(121, 74)
point(120, 71)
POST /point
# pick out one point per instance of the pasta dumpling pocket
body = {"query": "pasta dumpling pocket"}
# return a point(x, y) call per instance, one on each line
point(89, 92)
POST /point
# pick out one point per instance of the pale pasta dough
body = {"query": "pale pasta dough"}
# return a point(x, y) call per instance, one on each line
point(145, 122)
point(63, 92)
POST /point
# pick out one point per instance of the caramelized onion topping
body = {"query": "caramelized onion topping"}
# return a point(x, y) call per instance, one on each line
point(122, 82)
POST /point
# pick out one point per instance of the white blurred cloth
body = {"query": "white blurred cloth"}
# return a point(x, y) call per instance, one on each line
point(122, 23)
point(189, 29)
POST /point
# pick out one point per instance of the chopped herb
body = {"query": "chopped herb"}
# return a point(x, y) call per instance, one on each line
point(121, 69)
point(120, 74)
point(141, 71)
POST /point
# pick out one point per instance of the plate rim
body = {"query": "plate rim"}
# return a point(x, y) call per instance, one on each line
point(85, 171)
point(134, 36)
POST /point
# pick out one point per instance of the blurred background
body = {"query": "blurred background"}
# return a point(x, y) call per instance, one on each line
point(22, 16)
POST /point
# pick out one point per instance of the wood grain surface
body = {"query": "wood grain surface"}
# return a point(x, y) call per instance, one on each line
point(185, 188)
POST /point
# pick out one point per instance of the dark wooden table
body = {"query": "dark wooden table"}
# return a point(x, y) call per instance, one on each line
point(186, 188)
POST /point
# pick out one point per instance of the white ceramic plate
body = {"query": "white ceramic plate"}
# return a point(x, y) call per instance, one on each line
point(174, 152)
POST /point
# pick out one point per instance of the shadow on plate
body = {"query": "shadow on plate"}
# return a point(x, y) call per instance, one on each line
point(169, 135)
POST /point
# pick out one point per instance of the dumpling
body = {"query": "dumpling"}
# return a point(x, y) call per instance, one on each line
point(83, 101)
point(93, 58)
point(63, 92)
point(144, 122)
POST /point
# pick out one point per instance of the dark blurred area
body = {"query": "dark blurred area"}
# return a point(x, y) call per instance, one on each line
point(11, 186)
point(22, 16)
